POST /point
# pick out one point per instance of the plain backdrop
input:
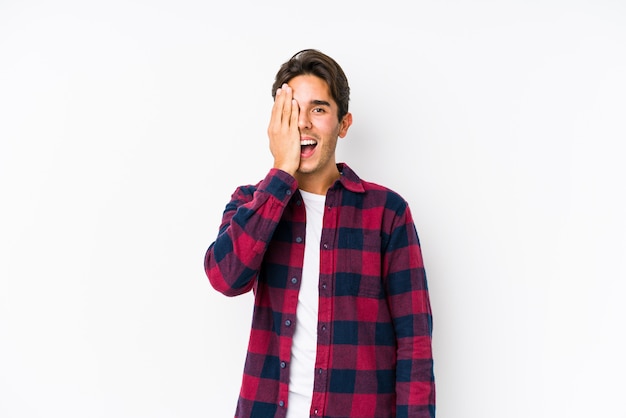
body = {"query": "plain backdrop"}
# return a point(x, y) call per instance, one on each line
point(126, 125)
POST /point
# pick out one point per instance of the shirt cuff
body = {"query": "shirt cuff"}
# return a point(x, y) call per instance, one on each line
point(279, 184)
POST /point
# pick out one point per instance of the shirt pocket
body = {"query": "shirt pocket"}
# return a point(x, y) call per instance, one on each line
point(359, 264)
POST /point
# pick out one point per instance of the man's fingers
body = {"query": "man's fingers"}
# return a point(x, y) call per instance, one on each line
point(283, 110)
point(277, 110)
point(295, 111)
point(287, 105)
point(283, 131)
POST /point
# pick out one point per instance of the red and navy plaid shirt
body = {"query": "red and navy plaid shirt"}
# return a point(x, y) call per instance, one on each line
point(374, 356)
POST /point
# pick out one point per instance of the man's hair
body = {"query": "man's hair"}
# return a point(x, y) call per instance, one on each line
point(313, 62)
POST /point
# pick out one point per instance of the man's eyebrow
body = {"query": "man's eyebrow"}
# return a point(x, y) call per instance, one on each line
point(320, 103)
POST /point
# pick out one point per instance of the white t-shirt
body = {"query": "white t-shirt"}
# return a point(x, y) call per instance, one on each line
point(304, 347)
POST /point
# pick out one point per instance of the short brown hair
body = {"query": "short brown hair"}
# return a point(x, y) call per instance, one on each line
point(313, 62)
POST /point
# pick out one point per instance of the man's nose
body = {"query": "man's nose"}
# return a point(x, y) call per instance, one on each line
point(303, 121)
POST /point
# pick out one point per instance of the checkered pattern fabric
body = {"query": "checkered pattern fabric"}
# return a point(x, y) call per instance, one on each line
point(374, 356)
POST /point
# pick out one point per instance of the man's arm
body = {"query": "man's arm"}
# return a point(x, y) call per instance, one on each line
point(411, 312)
point(233, 261)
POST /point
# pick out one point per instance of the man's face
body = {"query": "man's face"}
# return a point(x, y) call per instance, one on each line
point(318, 125)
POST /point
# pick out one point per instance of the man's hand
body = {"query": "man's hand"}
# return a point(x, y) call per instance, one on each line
point(283, 131)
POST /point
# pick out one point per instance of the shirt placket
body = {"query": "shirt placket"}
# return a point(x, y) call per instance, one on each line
point(291, 302)
point(324, 331)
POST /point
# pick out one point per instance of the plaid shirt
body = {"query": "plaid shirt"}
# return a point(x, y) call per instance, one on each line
point(374, 355)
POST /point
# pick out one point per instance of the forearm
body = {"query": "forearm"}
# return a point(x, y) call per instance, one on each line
point(410, 308)
point(232, 262)
point(415, 382)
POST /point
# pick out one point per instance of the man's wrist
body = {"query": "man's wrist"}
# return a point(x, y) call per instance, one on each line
point(286, 168)
point(279, 184)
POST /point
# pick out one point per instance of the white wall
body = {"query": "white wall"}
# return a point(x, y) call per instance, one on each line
point(125, 126)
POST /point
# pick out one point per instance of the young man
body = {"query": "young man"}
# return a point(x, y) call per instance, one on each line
point(342, 320)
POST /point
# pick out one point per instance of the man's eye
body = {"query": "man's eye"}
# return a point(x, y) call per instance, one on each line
point(318, 110)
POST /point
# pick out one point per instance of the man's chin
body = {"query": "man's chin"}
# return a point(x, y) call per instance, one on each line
point(306, 169)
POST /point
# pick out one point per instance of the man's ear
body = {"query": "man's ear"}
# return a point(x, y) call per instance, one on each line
point(345, 124)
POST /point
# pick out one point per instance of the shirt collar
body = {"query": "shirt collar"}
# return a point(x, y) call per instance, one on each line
point(349, 179)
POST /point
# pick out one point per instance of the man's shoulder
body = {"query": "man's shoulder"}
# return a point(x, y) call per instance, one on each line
point(374, 193)
point(390, 196)
point(373, 186)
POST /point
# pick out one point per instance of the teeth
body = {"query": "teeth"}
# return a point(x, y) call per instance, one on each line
point(308, 142)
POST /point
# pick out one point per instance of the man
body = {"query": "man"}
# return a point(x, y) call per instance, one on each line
point(342, 320)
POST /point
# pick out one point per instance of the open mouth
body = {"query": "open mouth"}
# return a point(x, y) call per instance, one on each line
point(307, 147)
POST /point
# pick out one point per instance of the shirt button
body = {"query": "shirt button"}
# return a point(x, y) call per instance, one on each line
point(288, 192)
point(294, 280)
point(288, 322)
point(281, 403)
point(283, 364)
point(315, 412)
point(323, 285)
point(299, 202)
point(298, 239)
point(323, 327)
point(320, 371)
point(325, 246)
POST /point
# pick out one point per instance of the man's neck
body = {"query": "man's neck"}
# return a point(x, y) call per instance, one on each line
point(317, 183)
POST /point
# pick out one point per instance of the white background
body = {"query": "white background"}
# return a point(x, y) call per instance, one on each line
point(126, 125)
